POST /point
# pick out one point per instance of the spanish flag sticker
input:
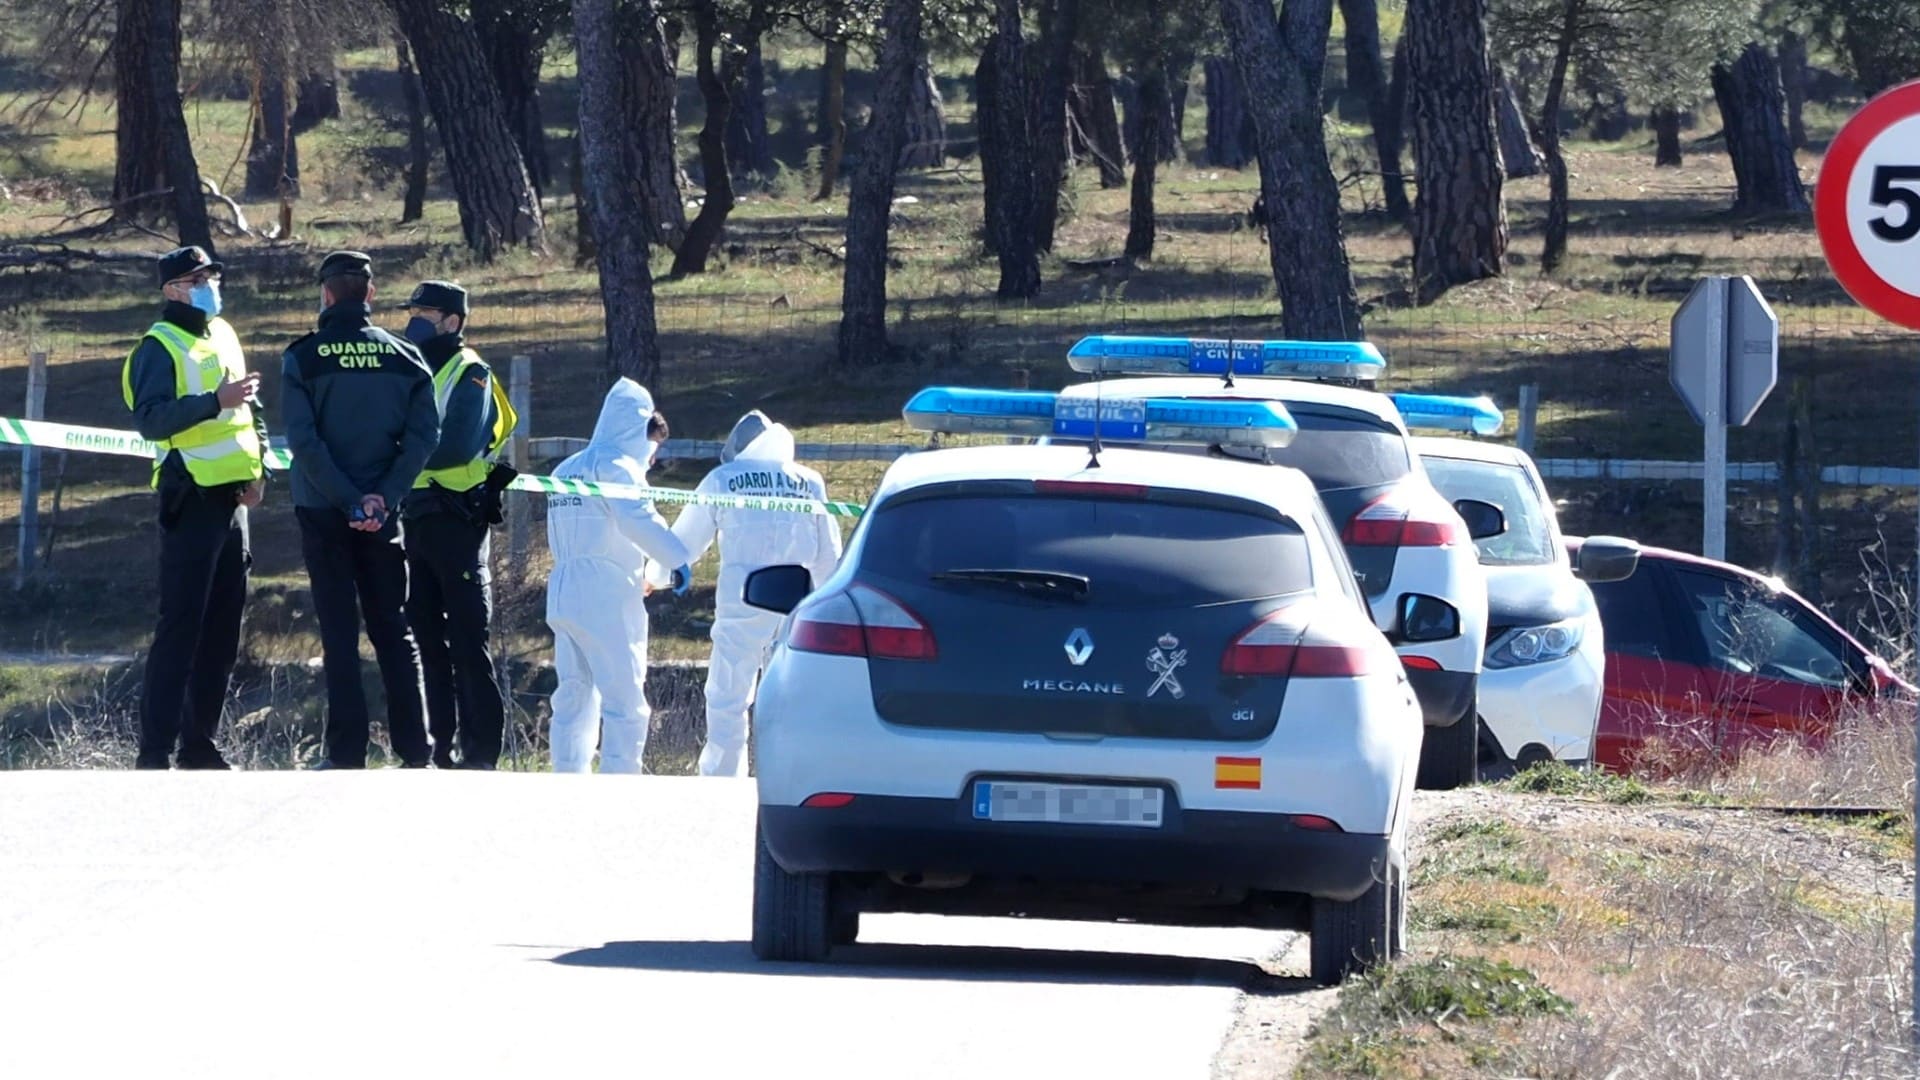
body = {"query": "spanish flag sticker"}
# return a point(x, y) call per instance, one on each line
point(1237, 772)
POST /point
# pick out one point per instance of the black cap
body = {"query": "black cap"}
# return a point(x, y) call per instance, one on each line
point(440, 296)
point(346, 263)
point(180, 262)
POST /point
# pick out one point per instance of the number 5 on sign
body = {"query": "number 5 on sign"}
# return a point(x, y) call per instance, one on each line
point(1867, 209)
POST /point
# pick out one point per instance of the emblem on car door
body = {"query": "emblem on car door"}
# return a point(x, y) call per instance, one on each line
point(1166, 658)
point(1079, 646)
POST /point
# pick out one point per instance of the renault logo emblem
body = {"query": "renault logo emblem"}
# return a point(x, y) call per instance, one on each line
point(1079, 646)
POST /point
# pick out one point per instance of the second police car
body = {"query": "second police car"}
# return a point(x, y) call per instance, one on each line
point(1085, 682)
point(1411, 549)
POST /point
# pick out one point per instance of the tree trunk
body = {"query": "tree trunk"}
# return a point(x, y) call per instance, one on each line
point(704, 233)
point(273, 157)
point(833, 118)
point(1752, 112)
point(1003, 117)
point(584, 249)
point(1666, 136)
point(745, 73)
point(1093, 101)
point(620, 225)
point(417, 150)
point(1282, 66)
point(1229, 141)
point(498, 208)
point(515, 50)
point(1367, 76)
point(1156, 119)
point(139, 164)
point(1554, 250)
point(1459, 217)
point(987, 137)
point(1793, 82)
point(1060, 23)
point(1179, 78)
point(162, 83)
point(863, 305)
point(318, 97)
point(925, 143)
point(1517, 150)
point(650, 114)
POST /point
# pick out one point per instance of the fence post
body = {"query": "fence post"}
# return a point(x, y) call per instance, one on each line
point(520, 510)
point(36, 409)
point(1529, 414)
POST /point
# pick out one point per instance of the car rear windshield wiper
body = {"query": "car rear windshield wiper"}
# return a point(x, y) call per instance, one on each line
point(1038, 582)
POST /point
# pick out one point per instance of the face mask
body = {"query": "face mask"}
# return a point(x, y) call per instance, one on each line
point(206, 297)
point(421, 330)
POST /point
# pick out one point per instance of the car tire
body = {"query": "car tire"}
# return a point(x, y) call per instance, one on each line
point(1450, 756)
point(1351, 937)
point(792, 913)
point(846, 926)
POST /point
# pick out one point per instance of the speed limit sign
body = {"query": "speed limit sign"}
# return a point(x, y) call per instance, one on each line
point(1867, 205)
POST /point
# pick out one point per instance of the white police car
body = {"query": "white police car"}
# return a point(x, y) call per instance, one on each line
point(1109, 685)
point(1541, 691)
point(1409, 546)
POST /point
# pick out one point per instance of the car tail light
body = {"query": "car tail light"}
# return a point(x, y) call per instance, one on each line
point(862, 621)
point(828, 800)
point(1316, 823)
point(1393, 520)
point(1090, 487)
point(1278, 646)
point(1420, 663)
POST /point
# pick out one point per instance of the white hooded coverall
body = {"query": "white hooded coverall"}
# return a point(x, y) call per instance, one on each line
point(757, 459)
point(594, 597)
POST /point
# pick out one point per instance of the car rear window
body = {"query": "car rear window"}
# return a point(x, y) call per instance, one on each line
point(1336, 448)
point(1134, 552)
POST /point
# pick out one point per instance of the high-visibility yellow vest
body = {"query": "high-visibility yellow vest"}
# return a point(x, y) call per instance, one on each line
point(225, 449)
point(468, 476)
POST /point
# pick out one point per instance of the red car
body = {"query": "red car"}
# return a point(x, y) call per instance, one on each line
point(1706, 660)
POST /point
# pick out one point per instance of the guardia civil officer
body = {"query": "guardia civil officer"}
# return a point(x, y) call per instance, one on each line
point(188, 386)
point(361, 423)
point(447, 515)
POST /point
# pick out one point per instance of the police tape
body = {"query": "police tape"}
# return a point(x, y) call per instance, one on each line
point(92, 440)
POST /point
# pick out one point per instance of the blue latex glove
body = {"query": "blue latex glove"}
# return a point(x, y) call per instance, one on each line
point(682, 580)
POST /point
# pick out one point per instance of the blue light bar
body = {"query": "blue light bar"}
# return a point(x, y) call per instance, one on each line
point(1035, 414)
point(1118, 354)
point(1442, 413)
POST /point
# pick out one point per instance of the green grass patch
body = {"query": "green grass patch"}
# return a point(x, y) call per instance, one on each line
point(1483, 850)
point(1559, 778)
point(1382, 1020)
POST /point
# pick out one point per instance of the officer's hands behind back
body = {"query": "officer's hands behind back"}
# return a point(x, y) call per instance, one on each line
point(232, 395)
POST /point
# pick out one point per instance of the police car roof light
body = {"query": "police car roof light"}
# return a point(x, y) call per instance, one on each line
point(1440, 412)
point(1120, 354)
point(1112, 418)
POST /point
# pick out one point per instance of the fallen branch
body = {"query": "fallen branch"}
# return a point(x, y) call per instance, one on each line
point(27, 254)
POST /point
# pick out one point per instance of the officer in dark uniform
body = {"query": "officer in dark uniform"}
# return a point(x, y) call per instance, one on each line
point(449, 599)
point(361, 423)
point(188, 386)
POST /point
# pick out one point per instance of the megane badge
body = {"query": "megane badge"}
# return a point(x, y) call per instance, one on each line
point(1079, 646)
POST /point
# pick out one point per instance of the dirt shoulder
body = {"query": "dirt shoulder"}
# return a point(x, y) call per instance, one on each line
point(1575, 936)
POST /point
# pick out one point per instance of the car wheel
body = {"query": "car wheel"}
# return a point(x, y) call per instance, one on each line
point(792, 913)
point(1450, 756)
point(846, 927)
point(1350, 937)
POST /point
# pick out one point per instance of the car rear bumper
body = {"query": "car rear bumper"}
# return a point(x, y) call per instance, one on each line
point(1445, 696)
point(894, 834)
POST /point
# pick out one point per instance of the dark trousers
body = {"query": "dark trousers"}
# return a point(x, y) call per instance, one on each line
point(355, 575)
point(449, 604)
point(204, 559)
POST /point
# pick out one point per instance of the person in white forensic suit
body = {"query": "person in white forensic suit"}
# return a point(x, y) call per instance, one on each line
point(602, 548)
point(756, 460)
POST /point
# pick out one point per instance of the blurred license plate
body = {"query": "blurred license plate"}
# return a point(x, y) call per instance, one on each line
point(1068, 804)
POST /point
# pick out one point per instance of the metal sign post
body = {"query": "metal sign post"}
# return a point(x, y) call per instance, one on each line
point(1723, 360)
point(1866, 208)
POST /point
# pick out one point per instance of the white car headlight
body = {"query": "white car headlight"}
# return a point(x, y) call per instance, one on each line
point(1536, 644)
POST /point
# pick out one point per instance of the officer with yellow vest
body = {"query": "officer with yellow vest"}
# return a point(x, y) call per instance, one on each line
point(361, 423)
point(447, 515)
point(188, 386)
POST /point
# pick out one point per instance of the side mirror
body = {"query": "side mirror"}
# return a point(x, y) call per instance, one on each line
point(1483, 518)
point(778, 589)
point(1607, 558)
point(1425, 618)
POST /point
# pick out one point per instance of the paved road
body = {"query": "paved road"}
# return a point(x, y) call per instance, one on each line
point(467, 925)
